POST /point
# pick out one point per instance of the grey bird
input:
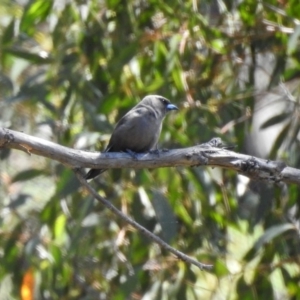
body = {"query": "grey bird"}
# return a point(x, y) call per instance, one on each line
point(139, 130)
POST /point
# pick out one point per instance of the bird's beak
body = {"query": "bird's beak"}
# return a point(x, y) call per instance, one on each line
point(172, 107)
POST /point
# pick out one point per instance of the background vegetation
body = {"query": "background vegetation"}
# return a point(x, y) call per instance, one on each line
point(70, 69)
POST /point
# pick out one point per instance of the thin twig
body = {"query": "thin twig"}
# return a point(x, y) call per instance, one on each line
point(139, 227)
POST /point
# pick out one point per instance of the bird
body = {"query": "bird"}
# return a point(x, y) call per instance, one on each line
point(138, 131)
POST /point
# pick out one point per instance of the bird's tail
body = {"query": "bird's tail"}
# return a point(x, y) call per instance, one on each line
point(92, 173)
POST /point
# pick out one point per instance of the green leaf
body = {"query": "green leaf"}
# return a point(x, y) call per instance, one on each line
point(279, 140)
point(56, 254)
point(165, 216)
point(276, 120)
point(28, 175)
point(220, 268)
point(218, 46)
point(247, 10)
point(8, 34)
point(35, 12)
point(59, 227)
point(293, 42)
point(272, 233)
point(243, 289)
point(68, 184)
point(177, 78)
point(41, 58)
point(156, 83)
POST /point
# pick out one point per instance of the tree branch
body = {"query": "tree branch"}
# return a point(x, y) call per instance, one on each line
point(208, 154)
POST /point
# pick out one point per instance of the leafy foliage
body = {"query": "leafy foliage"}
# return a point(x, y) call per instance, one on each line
point(70, 69)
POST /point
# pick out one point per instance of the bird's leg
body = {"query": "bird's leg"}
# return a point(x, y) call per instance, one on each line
point(131, 153)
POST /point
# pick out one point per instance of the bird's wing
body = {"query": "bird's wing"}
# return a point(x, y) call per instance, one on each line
point(127, 124)
point(132, 118)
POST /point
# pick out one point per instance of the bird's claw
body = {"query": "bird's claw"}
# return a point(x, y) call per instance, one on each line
point(154, 151)
point(132, 154)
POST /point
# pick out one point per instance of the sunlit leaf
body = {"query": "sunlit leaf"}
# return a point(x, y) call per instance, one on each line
point(59, 227)
point(36, 11)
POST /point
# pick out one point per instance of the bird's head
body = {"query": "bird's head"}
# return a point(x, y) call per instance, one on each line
point(159, 103)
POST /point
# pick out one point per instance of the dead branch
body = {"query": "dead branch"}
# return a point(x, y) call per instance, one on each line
point(211, 154)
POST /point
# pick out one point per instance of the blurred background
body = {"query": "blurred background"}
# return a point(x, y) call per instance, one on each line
point(69, 69)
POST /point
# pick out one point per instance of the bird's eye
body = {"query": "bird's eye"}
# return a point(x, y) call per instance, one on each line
point(164, 100)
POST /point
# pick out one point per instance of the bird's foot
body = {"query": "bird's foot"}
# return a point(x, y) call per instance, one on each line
point(154, 151)
point(132, 154)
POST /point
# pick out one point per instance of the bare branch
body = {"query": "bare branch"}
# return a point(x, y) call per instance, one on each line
point(208, 154)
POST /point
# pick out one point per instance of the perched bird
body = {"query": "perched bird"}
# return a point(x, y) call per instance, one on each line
point(139, 130)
